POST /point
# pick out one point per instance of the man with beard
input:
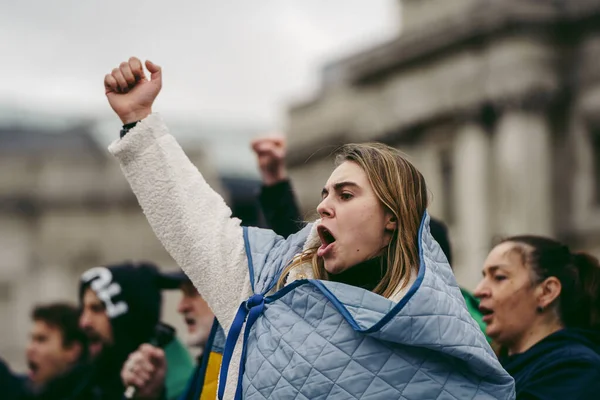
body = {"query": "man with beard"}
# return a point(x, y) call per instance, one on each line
point(203, 335)
point(56, 353)
point(120, 312)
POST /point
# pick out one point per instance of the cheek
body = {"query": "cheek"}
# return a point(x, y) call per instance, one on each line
point(47, 357)
point(514, 304)
point(364, 222)
point(106, 330)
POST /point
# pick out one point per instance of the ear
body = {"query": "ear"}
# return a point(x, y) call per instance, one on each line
point(549, 290)
point(392, 223)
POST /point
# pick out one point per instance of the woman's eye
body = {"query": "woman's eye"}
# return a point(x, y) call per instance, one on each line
point(345, 196)
point(499, 278)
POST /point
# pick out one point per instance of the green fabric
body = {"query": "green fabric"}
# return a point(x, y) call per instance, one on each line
point(473, 307)
point(180, 367)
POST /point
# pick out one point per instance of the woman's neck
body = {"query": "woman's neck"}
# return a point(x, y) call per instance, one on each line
point(533, 335)
point(365, 275)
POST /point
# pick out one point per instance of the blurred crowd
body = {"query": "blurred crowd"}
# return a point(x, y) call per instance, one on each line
point(538, 304)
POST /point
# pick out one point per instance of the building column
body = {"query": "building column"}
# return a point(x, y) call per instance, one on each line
point(523, 174)
point(471, 234)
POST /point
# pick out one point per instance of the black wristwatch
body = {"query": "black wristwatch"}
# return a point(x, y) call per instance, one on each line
point(127, 127)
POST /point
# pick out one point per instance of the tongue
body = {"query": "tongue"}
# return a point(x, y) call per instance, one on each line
point(32, 370)
point(322, 249)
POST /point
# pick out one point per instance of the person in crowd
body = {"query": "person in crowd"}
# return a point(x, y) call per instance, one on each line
point(361, 303)
point(120, 311)
point(203, 335)
point(57, 353)
point(282, 213)
point(277, 198)
point(541, 304)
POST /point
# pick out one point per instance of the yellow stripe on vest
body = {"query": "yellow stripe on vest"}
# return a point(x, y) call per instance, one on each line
point(211, 378)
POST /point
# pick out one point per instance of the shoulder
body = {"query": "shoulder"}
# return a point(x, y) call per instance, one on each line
point(268, 253)
point(569, 371)
point(578, 353)
point(573, 361)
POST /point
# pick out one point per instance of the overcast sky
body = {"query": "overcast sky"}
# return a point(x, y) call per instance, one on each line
point(237, 60)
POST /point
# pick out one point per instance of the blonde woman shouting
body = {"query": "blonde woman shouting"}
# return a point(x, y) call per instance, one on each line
point(360, 304)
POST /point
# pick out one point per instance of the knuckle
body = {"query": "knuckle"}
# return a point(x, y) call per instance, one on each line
point(123, 65)
point(148, 347)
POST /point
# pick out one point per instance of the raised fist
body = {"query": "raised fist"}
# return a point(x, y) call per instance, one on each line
point(270, 152)
point(129, 92)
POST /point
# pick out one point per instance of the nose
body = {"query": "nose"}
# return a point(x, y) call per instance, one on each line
point(30, 350)
point(481, 290)
point(182, 307)
point(84, 320)
point(325, 209)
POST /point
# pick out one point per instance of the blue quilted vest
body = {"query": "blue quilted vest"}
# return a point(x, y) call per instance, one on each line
point(317, 339)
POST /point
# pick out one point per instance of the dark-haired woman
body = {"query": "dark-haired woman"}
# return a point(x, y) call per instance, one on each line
point(540, 303)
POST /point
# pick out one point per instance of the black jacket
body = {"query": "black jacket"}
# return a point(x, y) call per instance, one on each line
point(12, 387)
point(74, 385)
point(281, 211)
point(564, 365)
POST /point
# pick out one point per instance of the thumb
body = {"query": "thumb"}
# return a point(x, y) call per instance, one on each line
point(155, 71)
point(263, 147)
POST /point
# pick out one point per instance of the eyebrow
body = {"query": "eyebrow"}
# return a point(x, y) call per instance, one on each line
point(339, 186)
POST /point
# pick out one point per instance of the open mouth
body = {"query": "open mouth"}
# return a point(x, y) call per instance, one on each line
point(33, 367)
point(190, 321)
point(93, 338)
point(95, 342)
point(327, 240)
point(486, 312)
point(326, 236)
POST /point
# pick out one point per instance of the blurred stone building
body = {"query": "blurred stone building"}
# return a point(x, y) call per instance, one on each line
point(497, 102)
point(66, 207)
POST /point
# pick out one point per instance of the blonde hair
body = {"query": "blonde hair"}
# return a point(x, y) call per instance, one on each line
point(401, 189)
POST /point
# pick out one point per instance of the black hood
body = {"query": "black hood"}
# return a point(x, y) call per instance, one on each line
point(133, 302)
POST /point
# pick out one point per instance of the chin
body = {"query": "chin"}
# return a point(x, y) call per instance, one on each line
point(198, 337)
point(492, 333)
point(334, 268)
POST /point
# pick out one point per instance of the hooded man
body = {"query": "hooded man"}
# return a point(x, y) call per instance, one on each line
point(120, 311)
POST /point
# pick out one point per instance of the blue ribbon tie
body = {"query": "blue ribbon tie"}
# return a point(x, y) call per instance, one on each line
point(251, 308)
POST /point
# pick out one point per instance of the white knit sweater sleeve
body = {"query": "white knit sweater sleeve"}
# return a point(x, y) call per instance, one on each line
point(190, 219)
